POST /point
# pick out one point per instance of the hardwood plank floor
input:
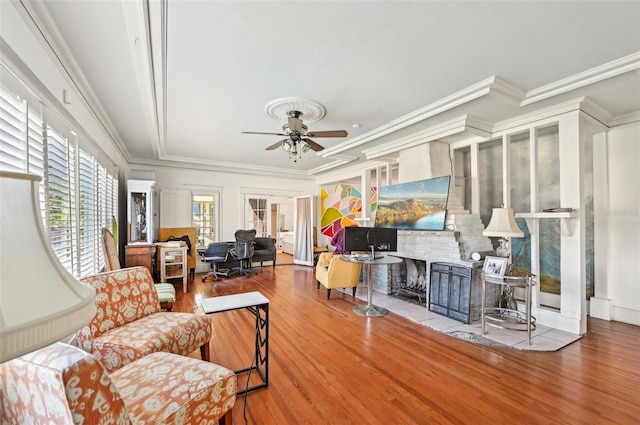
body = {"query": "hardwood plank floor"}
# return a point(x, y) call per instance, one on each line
point(330, 366)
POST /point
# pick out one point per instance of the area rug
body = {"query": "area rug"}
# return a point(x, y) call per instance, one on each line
point(475, 338)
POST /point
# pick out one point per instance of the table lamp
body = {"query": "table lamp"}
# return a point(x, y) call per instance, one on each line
point(503, 225)
point(40, 301)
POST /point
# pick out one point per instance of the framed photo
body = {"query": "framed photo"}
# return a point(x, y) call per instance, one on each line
point(495, 266)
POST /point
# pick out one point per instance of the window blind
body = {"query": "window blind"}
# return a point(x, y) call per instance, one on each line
point(78, 193)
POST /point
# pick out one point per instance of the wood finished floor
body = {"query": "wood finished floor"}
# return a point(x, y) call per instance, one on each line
point(329, 366)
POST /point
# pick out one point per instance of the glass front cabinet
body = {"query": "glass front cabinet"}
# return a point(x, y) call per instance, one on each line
point(140, 211)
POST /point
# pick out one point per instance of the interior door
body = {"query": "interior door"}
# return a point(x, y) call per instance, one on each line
point(303, 228)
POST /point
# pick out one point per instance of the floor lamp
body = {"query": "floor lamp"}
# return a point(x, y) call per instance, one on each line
point(40, 301)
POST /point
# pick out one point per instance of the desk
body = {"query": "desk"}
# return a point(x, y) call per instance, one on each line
point(370, 310)
point(257, 304)
point(509, 318)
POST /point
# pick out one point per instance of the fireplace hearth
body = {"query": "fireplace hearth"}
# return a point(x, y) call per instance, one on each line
point(409, 281)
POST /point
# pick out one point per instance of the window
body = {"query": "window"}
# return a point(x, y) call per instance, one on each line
point(205, 213)
point(256, 215)
point(78, 192)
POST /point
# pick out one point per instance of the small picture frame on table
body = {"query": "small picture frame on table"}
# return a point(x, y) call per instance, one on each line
point(495, 266)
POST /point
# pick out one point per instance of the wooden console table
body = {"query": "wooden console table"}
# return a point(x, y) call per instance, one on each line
point(140, 254)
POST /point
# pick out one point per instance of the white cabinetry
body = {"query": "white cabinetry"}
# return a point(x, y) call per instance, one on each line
point(173, 263)
point(140, 211)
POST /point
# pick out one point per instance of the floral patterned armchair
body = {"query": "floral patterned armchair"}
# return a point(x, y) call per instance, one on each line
point(129, 324)
point(62, 384)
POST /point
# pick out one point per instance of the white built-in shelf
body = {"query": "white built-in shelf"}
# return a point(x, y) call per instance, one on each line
point(566, 214)
point(567, 224)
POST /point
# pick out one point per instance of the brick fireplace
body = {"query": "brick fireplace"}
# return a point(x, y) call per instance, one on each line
point(421, 248)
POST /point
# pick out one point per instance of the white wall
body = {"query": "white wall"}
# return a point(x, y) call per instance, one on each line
point(623, 223)
point(232, 187)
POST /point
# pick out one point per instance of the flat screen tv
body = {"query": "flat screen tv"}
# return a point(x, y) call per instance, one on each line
point(419, 205)
point(368, 238)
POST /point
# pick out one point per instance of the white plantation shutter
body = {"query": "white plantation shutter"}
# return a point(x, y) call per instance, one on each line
point(61, 195)
point(78, 192)
point(175, 208)
point(88, 214)
point(36, 159)
point(13, 120)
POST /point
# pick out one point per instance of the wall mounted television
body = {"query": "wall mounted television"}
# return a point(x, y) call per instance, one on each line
point(418, 205)
point(367, 238)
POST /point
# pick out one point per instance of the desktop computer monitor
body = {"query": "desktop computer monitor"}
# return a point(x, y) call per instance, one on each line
point(378, 239)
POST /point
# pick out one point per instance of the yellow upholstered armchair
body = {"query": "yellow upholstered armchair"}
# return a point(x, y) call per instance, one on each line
point(333, 272)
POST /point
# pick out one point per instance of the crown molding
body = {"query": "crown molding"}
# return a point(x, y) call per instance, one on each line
point(353, 172)
point(44, 29)
point(12, 63)
point(170, 161)
point(585, 78)
point(157, 17)
point(495, 86)
point(339, 161)
point(625, 119)
point(463, 124)
point(136, 15)
point(579, 104)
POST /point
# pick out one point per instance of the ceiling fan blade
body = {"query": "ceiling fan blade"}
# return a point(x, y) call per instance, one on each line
point(334, 133)
point(258, 132)
point(313, 145)
point(275, 145)
point(295, 124)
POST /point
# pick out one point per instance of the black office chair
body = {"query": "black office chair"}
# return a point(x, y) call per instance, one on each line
point(243, 251)
point(215, 254)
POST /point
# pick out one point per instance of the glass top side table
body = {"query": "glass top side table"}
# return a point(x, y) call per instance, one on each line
point(509, 317)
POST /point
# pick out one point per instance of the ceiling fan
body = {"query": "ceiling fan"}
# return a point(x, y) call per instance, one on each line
point(297, 134)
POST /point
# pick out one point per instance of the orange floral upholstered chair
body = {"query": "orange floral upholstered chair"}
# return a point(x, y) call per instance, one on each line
point(129, 324)
point(61, 384)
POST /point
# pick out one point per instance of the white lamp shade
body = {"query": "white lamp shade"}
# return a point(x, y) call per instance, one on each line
point(40, 301)
point(503, 224)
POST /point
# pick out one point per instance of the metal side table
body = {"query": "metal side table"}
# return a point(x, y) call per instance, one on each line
point(258, 305)
point(370, 310)
point(504, 317)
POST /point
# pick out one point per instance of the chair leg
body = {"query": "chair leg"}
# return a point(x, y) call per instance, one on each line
point(318, 282)
point(354, 291)
point(227, 419)
point(328, 293)
point(204, 352)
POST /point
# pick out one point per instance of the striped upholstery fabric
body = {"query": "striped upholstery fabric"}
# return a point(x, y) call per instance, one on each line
point(166, 291)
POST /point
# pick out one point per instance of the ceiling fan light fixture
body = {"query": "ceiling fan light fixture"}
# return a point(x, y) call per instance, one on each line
point(286, 146)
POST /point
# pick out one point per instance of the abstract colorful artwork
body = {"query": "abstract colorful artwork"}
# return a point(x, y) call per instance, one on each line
point(340, 205)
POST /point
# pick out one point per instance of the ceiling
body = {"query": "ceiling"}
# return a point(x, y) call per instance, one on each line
point(179, 81)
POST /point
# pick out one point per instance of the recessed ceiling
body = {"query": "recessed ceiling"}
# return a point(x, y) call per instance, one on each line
point(180, 80)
